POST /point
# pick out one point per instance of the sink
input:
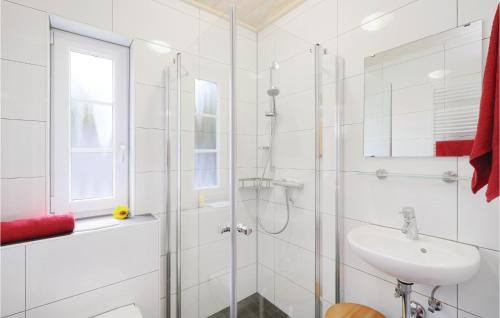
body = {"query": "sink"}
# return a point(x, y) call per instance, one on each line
point(428, 260)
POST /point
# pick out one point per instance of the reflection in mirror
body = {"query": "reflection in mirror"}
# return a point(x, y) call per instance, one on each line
point(422, 98)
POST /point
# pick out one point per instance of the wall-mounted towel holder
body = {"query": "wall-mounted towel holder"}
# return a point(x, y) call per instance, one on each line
point(447, 176)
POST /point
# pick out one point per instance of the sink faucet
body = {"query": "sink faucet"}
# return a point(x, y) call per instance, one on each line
point(410, 226)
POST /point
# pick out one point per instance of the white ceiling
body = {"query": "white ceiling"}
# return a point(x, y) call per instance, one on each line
point(255, 14)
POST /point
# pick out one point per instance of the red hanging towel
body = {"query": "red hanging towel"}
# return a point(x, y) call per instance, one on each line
point(36, 228)
point(485, 151)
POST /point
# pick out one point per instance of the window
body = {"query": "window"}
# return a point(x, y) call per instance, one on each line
point(89, 124)
point(206, 143)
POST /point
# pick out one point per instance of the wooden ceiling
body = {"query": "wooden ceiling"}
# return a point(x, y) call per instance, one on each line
point(255, 14)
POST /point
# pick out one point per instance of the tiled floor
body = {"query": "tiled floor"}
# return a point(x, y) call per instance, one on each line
point(254, 306)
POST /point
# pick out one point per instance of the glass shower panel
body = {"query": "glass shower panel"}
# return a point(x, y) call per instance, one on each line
point(201, 155)
point(296, 183)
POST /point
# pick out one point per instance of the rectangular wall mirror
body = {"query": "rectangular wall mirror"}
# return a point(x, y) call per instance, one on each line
point(421, 99)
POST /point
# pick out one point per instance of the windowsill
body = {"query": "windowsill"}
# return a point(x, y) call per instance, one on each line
point(99, 223)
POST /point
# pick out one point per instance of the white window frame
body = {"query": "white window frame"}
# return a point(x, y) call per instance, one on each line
point(217, 144)
point(63, 43)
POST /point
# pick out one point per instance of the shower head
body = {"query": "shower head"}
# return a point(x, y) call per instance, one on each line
point(273, 91)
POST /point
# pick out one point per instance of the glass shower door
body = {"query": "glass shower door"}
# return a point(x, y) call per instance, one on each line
point(199, 138)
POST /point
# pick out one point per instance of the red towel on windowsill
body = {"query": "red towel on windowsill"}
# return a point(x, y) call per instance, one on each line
point(485, 151)
point(453, 148)
point(35, 228)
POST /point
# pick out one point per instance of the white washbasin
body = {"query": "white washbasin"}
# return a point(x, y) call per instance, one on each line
point(428, 260)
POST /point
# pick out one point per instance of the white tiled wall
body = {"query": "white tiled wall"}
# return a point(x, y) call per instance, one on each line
point(162, 27)
point(159, 29)
point(444, 210)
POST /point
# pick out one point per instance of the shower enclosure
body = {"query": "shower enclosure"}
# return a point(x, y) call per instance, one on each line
point(252, 179)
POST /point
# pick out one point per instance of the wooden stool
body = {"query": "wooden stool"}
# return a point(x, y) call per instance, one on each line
point(347, 310)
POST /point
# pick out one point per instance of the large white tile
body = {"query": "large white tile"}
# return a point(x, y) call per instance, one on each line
point(141, 291)
point(300, 228)
point(445, 312)
point(189, 303)
point(214, 296)
point(463, 314)
point(477, 219)
point(294, 150)
point(362, 288)
point(214, 260)
point(149, 193)
point(377, 201)
point(480, 294)
point(279, 46)
point(211, 218)
point(25, 34)
point(294, 300)
point(149, 151)
point(149, 106)
point(246, 51)
point(51, 264)
point(328, 279)
point(167, 25)
point(13, 279)
point(214, 42)
point(394, 29)
point(23, 149)
point(97, 13)
point(189, 230)
point(151, 61)
point(353, 99)
point(18, 79)
point(33, 203)
point(181, 5)
point(470, 10)
point(355, 13)
point(294, 263)
point(189, 269)
point(266, 283)
point(316, 24)
point(189, 198)
point(266, 249)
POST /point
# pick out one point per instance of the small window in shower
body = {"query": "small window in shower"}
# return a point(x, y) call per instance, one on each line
point(206, 143)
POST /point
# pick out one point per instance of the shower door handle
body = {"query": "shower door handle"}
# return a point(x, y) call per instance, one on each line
point(240, 228)
point(244, 229)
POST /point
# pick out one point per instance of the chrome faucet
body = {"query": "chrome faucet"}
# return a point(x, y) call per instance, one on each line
point(410, 223)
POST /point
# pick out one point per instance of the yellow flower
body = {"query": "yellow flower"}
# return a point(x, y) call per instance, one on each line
point(121, 212)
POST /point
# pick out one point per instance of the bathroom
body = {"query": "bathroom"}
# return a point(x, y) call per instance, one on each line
point(239, 158)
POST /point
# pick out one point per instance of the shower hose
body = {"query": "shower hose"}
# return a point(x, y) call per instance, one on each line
point(259, 185)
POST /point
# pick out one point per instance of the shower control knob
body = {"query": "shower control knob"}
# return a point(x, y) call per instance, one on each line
point(224, 228)
point(244, 229)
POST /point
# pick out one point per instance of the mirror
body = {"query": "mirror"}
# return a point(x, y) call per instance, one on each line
point(422, 99)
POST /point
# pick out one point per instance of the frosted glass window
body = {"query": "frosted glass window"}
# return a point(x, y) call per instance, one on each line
point(207, 98)
point(206, 143)
point(91, 77)
point(206, 170)
point(91, 175)
point(91, 127)
point(89, 124)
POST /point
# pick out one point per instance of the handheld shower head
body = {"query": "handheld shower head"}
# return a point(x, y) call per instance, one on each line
point(273, 91)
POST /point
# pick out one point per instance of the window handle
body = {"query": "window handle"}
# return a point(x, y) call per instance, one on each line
point(122, 151)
